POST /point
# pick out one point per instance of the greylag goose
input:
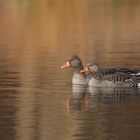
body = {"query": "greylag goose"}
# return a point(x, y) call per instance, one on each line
point(75, 62)
point(112, 77)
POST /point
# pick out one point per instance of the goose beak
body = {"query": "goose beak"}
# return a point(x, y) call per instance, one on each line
point(84, 70)
point(66, 65)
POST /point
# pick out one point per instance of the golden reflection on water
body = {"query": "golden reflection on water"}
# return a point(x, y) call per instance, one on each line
point(88, 28)
point(74, 21)
point(36, 37)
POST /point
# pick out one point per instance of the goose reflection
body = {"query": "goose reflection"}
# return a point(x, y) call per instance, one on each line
point(88, 99)
point(79, 99)
point(112, 94)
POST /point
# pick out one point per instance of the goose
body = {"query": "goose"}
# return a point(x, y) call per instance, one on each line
point(112, 77)
point(76, 63)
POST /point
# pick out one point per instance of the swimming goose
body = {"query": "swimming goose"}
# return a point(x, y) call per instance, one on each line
point(75, 62)
point(112, 77)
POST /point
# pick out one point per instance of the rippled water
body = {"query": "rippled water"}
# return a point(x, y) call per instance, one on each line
point(37, 100)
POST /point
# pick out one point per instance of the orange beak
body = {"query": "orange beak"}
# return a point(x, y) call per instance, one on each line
point(84, 70)
point(66, 65)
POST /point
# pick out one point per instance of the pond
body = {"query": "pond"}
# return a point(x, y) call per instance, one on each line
point(37, 99)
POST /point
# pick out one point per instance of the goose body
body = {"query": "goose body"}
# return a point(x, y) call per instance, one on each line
point(112, 77)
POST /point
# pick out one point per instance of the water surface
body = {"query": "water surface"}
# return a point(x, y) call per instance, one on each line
point(37, 100)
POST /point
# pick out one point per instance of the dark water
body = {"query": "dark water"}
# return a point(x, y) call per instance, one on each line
point(37, 100)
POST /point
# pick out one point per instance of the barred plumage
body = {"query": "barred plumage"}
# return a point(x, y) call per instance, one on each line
point(112, 77)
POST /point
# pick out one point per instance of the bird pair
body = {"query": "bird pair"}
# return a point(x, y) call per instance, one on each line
point(92, 75)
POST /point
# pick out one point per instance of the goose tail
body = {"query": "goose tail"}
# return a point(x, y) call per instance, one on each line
point(135, 74)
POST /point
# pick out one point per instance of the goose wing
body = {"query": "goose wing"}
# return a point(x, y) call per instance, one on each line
point(116, 77)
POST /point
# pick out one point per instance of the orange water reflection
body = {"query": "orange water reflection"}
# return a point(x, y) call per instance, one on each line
point(36, 37)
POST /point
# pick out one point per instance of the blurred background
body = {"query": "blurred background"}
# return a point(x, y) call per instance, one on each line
point(105, 30)
point(36, 37)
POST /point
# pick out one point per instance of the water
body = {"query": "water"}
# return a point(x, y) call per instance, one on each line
point(37, 100)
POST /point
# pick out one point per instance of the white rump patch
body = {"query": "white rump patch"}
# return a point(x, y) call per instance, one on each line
point(138, 84)
point(135, 74)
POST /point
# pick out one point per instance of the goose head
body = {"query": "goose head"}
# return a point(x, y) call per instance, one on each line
point(91, 68)
point(73, 61)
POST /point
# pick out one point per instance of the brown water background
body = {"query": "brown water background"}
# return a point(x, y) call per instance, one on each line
point(37, 100)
